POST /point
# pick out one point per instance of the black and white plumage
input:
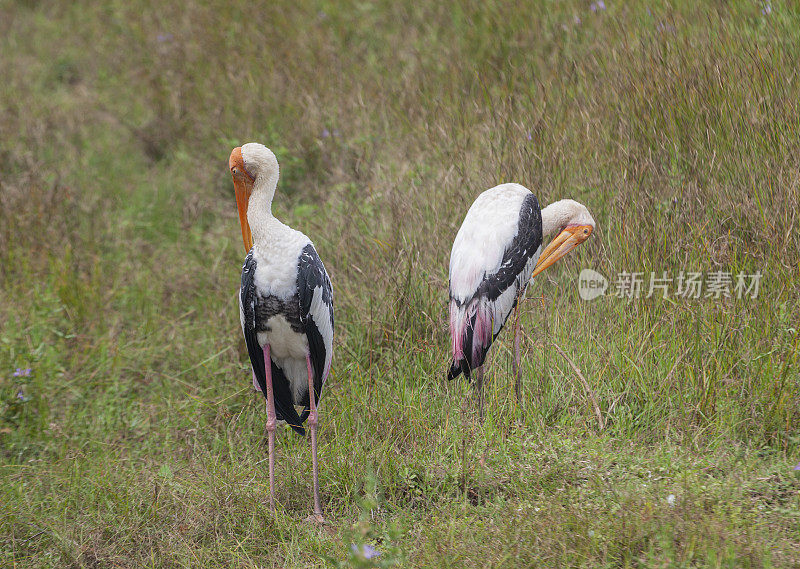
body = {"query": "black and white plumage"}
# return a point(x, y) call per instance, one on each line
point(493, 257)
point(496, 252)
point(312, 302)
point(285, 305)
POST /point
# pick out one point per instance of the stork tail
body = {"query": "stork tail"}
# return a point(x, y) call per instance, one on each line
point(471, 331)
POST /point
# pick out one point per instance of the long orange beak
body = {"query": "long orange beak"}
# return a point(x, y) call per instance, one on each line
point(567, 240)
point(242, 187)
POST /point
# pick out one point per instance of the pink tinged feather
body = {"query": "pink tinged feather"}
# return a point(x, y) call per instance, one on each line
point(457, 330)
point(482, 333)
point(461, 327)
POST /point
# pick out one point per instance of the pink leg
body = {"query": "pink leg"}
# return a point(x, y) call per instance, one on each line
point(312, 423)
point(479, 391)
point(517, 371)
point(272, 424)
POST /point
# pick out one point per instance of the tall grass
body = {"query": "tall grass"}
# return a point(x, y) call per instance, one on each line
point(134, 441)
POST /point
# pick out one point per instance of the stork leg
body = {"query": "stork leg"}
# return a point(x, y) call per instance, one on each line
point(312, 423)
point(272, 424)
point(257, 387)
point(517, 371)
point(479, 391)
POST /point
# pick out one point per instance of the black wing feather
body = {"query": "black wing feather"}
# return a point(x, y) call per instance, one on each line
point(311, 274)
point(524, 245)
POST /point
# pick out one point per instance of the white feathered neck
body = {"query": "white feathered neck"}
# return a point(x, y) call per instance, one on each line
point(260, 162)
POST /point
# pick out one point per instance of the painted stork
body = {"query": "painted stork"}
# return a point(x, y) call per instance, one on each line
point(496, 253)
point(285, 306)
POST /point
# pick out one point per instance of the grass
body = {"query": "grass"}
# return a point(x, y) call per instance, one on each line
point(135, 440)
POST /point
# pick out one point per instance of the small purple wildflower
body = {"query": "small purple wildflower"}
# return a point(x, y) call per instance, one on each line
point(767, 9)
point(22, 372)
point(162, 38)
point(598, 6)
point(325, 133)
point(665, 27)
point(797, 467)
point(366, 551)
point(529, 137)
point(576, 20)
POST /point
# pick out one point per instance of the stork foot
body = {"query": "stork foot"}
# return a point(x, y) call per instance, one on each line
point(315, 519)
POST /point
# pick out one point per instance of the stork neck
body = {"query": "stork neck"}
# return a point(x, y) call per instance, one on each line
point(555, 216)
point(259, 210)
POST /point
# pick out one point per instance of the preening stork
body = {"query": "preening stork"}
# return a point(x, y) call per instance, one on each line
point(497, 251)
point(285, 306)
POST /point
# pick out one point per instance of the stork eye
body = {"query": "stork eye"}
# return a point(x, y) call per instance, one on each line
point(586, 232)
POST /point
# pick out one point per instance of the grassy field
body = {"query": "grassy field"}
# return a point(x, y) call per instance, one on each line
point(135, 438)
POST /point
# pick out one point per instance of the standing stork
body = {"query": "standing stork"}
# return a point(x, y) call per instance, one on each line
point(497, 251)
point(285, 306)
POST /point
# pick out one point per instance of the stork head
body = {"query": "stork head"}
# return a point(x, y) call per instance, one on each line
point(253, 168)
point(574, 225)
